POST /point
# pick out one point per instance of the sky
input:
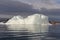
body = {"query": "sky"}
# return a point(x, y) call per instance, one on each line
point(49, 4)
point(9, 8)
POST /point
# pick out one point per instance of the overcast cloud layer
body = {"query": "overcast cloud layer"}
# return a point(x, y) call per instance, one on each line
point(13, 7)
point(49, 4)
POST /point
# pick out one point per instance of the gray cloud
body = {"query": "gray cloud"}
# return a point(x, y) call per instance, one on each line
point(37, 4)
point(10, 8)
point(50, 11)
point(14, 6)
point(49, 4)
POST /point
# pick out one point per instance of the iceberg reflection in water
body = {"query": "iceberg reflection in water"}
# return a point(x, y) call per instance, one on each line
point(34, 27)
point(20, 34)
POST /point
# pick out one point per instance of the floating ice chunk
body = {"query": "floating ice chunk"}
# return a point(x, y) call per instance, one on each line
point(32, 23)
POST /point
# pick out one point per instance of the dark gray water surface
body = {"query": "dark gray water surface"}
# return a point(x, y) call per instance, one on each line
point(53, 34)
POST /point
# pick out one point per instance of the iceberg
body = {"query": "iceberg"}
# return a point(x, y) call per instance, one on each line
point(15, 20)
point(35, 23)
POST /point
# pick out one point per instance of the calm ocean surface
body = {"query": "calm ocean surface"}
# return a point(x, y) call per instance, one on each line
point(53, 34)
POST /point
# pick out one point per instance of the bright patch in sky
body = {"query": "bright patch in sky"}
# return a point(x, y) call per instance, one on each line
point(37, 4)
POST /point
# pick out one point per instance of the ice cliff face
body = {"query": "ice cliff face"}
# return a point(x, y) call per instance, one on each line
point(34, 23)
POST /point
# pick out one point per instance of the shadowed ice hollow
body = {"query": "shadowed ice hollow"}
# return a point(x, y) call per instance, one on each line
point(35, 23)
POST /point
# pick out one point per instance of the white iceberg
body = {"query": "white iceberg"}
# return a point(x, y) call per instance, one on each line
point(34, 23)
point(15, 20)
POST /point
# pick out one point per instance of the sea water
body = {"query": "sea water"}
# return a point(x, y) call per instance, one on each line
point(6, 34)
